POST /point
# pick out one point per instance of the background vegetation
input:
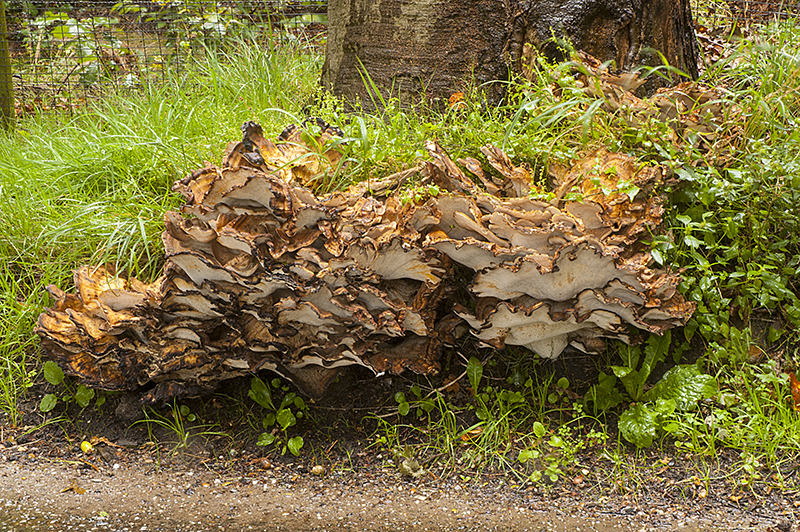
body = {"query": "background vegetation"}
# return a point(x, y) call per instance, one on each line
point(91, 186)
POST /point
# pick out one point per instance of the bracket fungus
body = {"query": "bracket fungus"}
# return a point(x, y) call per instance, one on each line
point(262, 272)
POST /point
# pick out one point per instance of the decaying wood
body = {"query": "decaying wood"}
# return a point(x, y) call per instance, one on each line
point(262, 273)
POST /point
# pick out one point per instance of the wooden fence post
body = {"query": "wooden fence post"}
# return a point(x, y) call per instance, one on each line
point(7, 112)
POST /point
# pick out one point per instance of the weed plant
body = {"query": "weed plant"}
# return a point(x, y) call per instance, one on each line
point(92, 187)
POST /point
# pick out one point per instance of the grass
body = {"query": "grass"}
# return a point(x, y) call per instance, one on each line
point(93, 186)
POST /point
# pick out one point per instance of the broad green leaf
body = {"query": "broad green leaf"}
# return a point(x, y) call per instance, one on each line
point(665, 407)
point(52, 373)
point(286, 419)
point(638, 425)
point(528, 454)
point(48, 403)
point(474, 373)
point(295, 444)
point(538, 429)
point(269, 420)
point(265, 438)
point(403, 408)
point(563, 383)
point(84, 395)
point(656, 350)
point(260, 393)
point(400, 397)
point(621, 371)
point(685, 384)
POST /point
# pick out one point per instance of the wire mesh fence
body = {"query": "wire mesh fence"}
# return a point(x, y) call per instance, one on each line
point(727, 13)
point(64, 53)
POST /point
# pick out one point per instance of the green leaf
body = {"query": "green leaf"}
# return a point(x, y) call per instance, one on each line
point(265, 438)
point(48, 403)
point(563, 383)
point(286, 419)
point(260, 393)
point(83, 396)
point(403, 408)
point(665, 407)
point(538, 429)
point(52, 373)
point(288, 400)
point(400, 397)
point(474, 373)
point(269, 420)
point(528, 454)
point(638, 425)
point(603, 395)
point(621, 371)
point(685, 384)
point(295, 444)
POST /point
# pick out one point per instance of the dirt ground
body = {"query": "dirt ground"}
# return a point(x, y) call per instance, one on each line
point(140, 480)
point(39, 495)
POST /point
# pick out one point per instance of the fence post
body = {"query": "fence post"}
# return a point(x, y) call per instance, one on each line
point(7, 111)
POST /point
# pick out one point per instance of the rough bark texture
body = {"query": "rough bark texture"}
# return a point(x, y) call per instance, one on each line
point(431, 47)
point(414, 47)
point(6, 83)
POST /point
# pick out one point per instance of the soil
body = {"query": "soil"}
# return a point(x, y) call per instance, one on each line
point(137, 479)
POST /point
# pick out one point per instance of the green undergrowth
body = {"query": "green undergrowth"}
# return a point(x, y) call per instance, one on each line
point(93, 186)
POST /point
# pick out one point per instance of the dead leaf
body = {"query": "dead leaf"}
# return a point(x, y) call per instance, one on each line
point(451, 384)
point(74, 487)
point(794, 385)
point(472, 434)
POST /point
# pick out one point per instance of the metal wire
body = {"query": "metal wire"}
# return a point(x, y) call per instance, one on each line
point(63, 54)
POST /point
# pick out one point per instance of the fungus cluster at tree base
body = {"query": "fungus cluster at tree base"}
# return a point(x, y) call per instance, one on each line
point(263, 273)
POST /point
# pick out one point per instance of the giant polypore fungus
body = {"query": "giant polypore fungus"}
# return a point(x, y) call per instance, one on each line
point(262, 273)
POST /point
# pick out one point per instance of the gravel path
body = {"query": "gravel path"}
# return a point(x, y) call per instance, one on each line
point(65, 495)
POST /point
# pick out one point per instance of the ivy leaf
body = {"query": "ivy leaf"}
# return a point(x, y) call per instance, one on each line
point(53, 373)
point(638, 425)
point(685, 384)
point(295, 444)
point(83, 396)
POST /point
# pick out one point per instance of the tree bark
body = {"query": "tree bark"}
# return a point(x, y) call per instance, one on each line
point(433, 48)
point(6, 82)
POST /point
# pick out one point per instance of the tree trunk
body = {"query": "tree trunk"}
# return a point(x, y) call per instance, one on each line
point(408, 48)
point(6, 81)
